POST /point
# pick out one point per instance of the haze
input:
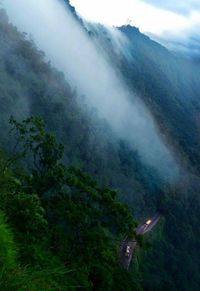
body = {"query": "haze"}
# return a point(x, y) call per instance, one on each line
point(70, 49)
point(173, 23)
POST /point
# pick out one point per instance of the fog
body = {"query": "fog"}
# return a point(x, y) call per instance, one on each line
point(71, 50)
point(186, 41)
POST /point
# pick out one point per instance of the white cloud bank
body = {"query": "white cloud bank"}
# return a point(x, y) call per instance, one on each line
point(147, 17)
point(71, 50)
point(174, 23)
point(177, 6)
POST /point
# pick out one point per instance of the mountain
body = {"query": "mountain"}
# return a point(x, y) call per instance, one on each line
point(160, 83)
point(168, 84)
point(175, 91)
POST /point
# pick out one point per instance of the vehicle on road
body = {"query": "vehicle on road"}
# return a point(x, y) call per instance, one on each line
point(128, 251)
point(147, 223)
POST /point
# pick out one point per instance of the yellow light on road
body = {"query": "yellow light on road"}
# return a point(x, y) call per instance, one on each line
point(148, 221)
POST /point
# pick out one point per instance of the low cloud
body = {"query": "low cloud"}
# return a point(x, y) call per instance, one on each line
point(71, 50)
point(177, 6)
point(186, 41)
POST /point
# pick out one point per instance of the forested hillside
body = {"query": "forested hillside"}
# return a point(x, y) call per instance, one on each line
point(169, 84)
point(31, 87)
point(59, 229)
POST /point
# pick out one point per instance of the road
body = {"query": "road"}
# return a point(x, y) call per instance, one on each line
point(126, 252)
point(128, 246)
point(148, 224)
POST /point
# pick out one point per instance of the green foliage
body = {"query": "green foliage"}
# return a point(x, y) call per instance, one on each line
point(67, 229)
point(31, 87)
point(43, 151)
point(64, 227)
point(7, 246)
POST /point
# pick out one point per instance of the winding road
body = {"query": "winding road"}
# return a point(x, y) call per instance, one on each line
point(148, 224)
point(128, 245)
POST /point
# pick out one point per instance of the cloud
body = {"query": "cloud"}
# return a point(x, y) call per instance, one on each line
point(148, 18)
point(173, 23)
point(186, 40)
point(71, 50)
point(177, 6)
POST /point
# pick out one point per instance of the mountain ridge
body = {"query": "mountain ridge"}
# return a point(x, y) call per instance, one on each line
point(31, 86)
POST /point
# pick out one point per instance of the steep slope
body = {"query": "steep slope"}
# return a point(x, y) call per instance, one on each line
point(65, 228)
point(169, 86)
point(31, 87)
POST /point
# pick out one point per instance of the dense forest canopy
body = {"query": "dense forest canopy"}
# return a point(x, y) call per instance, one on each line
point(60, 228)
point(65, 227)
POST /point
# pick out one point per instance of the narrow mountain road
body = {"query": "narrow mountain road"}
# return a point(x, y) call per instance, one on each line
point(128, 246)
point(126, 252)
point(148, 224)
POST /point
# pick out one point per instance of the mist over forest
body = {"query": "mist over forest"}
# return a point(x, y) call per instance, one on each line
point(99, 131)
point(103, 88)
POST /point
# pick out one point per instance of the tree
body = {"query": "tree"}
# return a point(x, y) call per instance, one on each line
point(85, 222)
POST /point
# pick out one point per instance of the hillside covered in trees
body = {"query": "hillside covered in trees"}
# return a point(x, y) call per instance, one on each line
point(60, 228)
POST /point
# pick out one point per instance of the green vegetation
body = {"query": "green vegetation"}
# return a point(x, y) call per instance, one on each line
point(61, 228)
point(31, 87)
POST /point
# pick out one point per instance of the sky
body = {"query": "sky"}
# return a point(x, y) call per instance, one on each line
point(176, 23)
